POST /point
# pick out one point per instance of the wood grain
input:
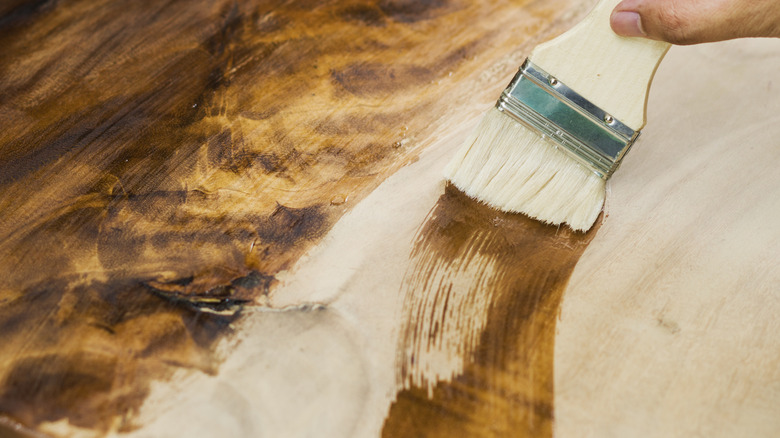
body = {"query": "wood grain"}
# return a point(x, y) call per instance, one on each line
point(613, 72)
point(192, 244)
point(667, 328)
point(161, 163)
point(482, 296)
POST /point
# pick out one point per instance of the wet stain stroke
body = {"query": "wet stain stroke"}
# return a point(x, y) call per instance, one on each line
point(154, 178)
point(482, 296)
point(162, 162)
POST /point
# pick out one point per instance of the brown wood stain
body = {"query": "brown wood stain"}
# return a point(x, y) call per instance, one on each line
point(161, 162)
point(483, 293)
point(13, 429)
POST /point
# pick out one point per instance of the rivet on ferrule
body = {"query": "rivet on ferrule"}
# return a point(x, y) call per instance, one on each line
point(587, 133)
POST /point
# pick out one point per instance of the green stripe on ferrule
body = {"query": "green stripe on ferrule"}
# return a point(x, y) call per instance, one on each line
point(531, 100)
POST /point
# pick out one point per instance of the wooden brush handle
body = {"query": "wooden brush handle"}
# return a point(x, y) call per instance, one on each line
point(611, 71)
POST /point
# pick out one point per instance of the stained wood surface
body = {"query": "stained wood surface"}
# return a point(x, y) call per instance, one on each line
point(215, 218)
point(162, 163)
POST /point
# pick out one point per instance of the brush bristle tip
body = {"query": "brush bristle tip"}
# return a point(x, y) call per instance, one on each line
point(512, 168)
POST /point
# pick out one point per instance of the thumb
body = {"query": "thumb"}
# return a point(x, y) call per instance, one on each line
point(696, 21)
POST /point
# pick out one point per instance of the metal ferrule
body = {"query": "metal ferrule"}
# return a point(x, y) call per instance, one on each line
point(586, 132)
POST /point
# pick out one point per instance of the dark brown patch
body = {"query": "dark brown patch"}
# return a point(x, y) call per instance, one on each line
point(287, 226)
point(455, 57)
point(467, 253)
point(375, 79)
point(11, 428)
point(410, 11)
point(17, 12)
point(367, 14)
point(89, 354)
point(207, 294)
point(58, 382)
point(161, 162)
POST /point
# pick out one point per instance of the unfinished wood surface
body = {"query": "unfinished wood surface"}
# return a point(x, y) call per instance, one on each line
point(184, 253)
point(669, 326)
point(163, 164)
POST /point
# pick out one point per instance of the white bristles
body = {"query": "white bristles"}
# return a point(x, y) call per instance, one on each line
point(513, 168)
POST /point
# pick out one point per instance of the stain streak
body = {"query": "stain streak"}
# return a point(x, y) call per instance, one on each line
point(482, 296)
point(159, 167)
point(162, 162)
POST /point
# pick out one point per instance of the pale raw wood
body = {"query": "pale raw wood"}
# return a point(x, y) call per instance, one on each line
point(611, 71)
point(669, 325)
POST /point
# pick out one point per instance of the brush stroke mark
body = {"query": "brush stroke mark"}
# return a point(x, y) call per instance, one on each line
point(161, 162)
point(482, 296)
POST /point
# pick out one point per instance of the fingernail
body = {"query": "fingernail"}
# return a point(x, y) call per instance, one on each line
point(627, 24)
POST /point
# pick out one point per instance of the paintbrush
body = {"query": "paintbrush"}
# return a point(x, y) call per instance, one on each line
point(563, 125)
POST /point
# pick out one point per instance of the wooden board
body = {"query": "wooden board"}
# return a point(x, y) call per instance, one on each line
point(228, 282)
point(161, 164)
point(668, 326)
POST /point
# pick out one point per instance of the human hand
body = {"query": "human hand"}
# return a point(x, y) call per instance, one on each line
point(696, 21)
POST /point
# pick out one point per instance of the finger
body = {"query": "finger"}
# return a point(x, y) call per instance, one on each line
point(696, 21)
